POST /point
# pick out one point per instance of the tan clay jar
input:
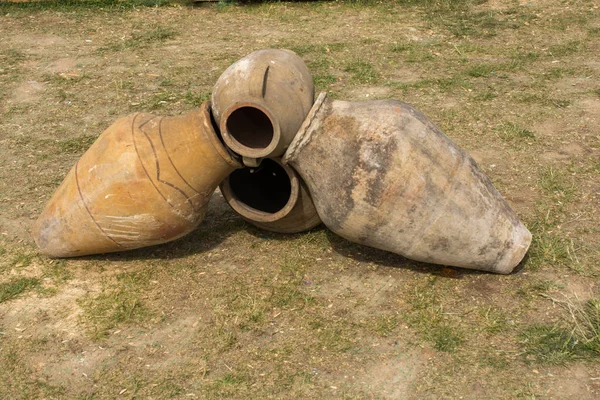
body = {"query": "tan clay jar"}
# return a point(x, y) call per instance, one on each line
point(381, 174)
point(272, 197)
point(260, 101)
point(146, 180)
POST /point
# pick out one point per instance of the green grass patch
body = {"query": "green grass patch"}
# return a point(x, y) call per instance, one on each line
point(494, 320)
point(594, 32)
point(167, 388)
point(156, 101)
point(18, 380)
point(196, 99)
point(483, 70)
point(576, 336)
point(249, 308)
point(111, 309)
point(58, 270)
point(555, 73)
point(68, 5)
point(554, 182)
point(10, 59)
point(560, 103)
point(544, 286)
point(549, 245)
point(73, 145)
point(239, 304)
point(495, 361)
point(462, 21)
point(229, 379)
point(569, 18)
point(63, 82)
point(288, 292)
point(444, 85)
point(513, 132)
point(383, 325)
point(143, 39)
point(446, 338)
point(549, 343)
point(551, 248)
point(319, 64)
point(304, 49)
point(362, 72)
point(542, 99)
point(401, 47)
point(333, 335)
point(162, 99)
point(428, 318)
point(76, 145)
point(119, 303)
point(413, 52)
point(22, 260)
point(585, 323)
point(480, 70)
point(322, 81)
point(12, 289)
point(567, 49)
point(335, 46)
point(485, 96)
point(524, 56)
point(230, 385)
point(158, 34)
point(11, 360)
point(482, 24)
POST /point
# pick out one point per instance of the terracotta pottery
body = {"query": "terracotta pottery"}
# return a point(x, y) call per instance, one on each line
point(272, 197)
point(381, 174)
point(260, 102)
point(146, 180)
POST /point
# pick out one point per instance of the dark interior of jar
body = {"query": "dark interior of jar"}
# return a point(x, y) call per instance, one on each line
point(250, 127)
point(266, 188)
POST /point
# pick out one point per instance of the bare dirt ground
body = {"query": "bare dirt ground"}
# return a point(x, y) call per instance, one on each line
point(231, 311)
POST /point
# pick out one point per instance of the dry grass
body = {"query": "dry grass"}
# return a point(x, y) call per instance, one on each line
point(234, 312)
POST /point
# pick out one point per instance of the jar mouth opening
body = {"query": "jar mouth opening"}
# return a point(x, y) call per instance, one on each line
point(250, 130)
point(266, 193)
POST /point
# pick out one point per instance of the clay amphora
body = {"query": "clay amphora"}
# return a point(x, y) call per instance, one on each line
point(381, 174)
point(272, 197)
point(260, 102)
point(146, 180)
